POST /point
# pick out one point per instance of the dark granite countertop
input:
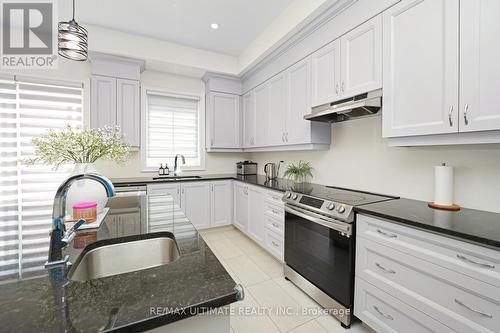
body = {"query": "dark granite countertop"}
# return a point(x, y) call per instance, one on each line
point(129, 302)
point(470, 225)
point(279, 184)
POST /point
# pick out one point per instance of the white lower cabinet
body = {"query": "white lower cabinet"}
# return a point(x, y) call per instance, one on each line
point(195, 203)
point(259, 213)
point(385, 313)
point(220, 203)
point(240, 206)
point(416, 268)
point(205, 204)
point(172, 189)
point(256, 217)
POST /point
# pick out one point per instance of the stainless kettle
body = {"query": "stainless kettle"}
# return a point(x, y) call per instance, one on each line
point(271, 170)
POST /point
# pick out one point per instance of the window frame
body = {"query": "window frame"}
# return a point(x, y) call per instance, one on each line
point(201, 125)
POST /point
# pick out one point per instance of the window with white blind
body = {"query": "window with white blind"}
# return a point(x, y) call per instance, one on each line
point(171, 126)
point(29, 108)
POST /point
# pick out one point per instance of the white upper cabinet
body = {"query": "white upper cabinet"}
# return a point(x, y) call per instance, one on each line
point(480, 65)
point(103, 101)
point(298, 130)
point(277, 109)
point(115, 95)
point(261, 115)
point(195, 203)
point(223, 116)
point(128, 110)
point(221, 207)
point(326, 74)
point(361, 58)
point(420, 68)
point(249, 119)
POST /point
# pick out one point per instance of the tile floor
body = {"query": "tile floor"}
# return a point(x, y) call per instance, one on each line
point(265, 288)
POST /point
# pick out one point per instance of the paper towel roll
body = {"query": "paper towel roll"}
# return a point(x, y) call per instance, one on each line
point(443, 185)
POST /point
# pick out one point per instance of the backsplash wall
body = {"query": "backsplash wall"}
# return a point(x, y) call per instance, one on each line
point(359, 158)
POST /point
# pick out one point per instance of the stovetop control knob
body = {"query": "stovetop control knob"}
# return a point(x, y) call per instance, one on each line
point(341, 209)
point(295, 196)
point(331, 206)
point(288, 195)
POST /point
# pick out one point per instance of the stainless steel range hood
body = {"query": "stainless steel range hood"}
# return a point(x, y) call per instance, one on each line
point(359, 106)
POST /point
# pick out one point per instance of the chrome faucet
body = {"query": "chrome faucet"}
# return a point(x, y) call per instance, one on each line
point(177, 169)
point(59, 237)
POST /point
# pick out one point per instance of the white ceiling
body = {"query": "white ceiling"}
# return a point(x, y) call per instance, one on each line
point(182, 21)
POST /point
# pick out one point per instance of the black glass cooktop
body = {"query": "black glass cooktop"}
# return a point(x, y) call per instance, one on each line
point(342, 195)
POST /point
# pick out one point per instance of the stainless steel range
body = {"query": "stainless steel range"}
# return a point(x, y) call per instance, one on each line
point(319, 244)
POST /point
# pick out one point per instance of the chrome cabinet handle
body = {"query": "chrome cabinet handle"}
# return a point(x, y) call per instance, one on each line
point(388, 270)
point(286, 136)
point(211, 142)
point(387, 234)
point(275, 245)
point(275, 211)
point(450, 113)
point(383, 314)
point(275, 225)
point(479, 312)
point(485, 265)
point(466, 108)
point(343, 87)
point(337, 88)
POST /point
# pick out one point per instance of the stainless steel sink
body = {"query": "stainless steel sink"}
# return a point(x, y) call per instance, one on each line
point(124, 257)
point(176, 178)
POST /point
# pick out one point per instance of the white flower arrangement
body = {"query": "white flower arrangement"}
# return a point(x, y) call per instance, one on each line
point(73, 145)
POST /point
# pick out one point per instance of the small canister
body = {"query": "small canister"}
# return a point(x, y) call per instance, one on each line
point(85, 210)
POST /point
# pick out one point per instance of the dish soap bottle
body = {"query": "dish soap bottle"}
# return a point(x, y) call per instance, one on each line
point(166, 170)
point(161, 170)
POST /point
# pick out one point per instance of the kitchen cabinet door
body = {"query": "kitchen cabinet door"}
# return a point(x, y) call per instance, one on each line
point(130, 223)
point(420, 68)
point(221, 203)
point(361, 60)
point(261, 115)
point(103, 101)
point(256, 213)
point(326, 74)
point(174, 190)
point(249, 119)
point(195, 203)
point(480, 66)
point(128, 110)
point(297, 129)
point(278, 104)
point(240, 206)
point(223, 115)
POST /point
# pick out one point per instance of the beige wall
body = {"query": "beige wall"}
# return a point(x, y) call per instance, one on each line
point(360, 159)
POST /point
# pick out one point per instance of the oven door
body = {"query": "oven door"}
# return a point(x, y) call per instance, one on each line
point(322, 251)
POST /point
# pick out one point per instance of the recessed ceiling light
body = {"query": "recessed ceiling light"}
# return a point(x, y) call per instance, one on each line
point(214, 26)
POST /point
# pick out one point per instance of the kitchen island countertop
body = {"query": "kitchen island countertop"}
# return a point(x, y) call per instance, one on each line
point(130, 302)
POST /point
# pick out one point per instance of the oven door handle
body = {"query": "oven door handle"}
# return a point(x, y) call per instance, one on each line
point(338, 226)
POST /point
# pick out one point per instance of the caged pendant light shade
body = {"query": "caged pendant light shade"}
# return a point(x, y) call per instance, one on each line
point(72, 40)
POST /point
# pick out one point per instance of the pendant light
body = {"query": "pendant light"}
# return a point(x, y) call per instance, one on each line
point(73, 42)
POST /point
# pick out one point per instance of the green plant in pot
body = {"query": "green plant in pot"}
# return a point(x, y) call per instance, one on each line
point(299, 172)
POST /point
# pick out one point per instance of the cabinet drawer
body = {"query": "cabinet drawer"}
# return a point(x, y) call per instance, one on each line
point(275, 197)
point(387, 314)
point(473, 260)
point(459, 301)
point(275, 225)
point(275, 212)
point(275, 244)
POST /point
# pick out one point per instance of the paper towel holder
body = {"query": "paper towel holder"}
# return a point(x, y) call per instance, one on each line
point(452, 207)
